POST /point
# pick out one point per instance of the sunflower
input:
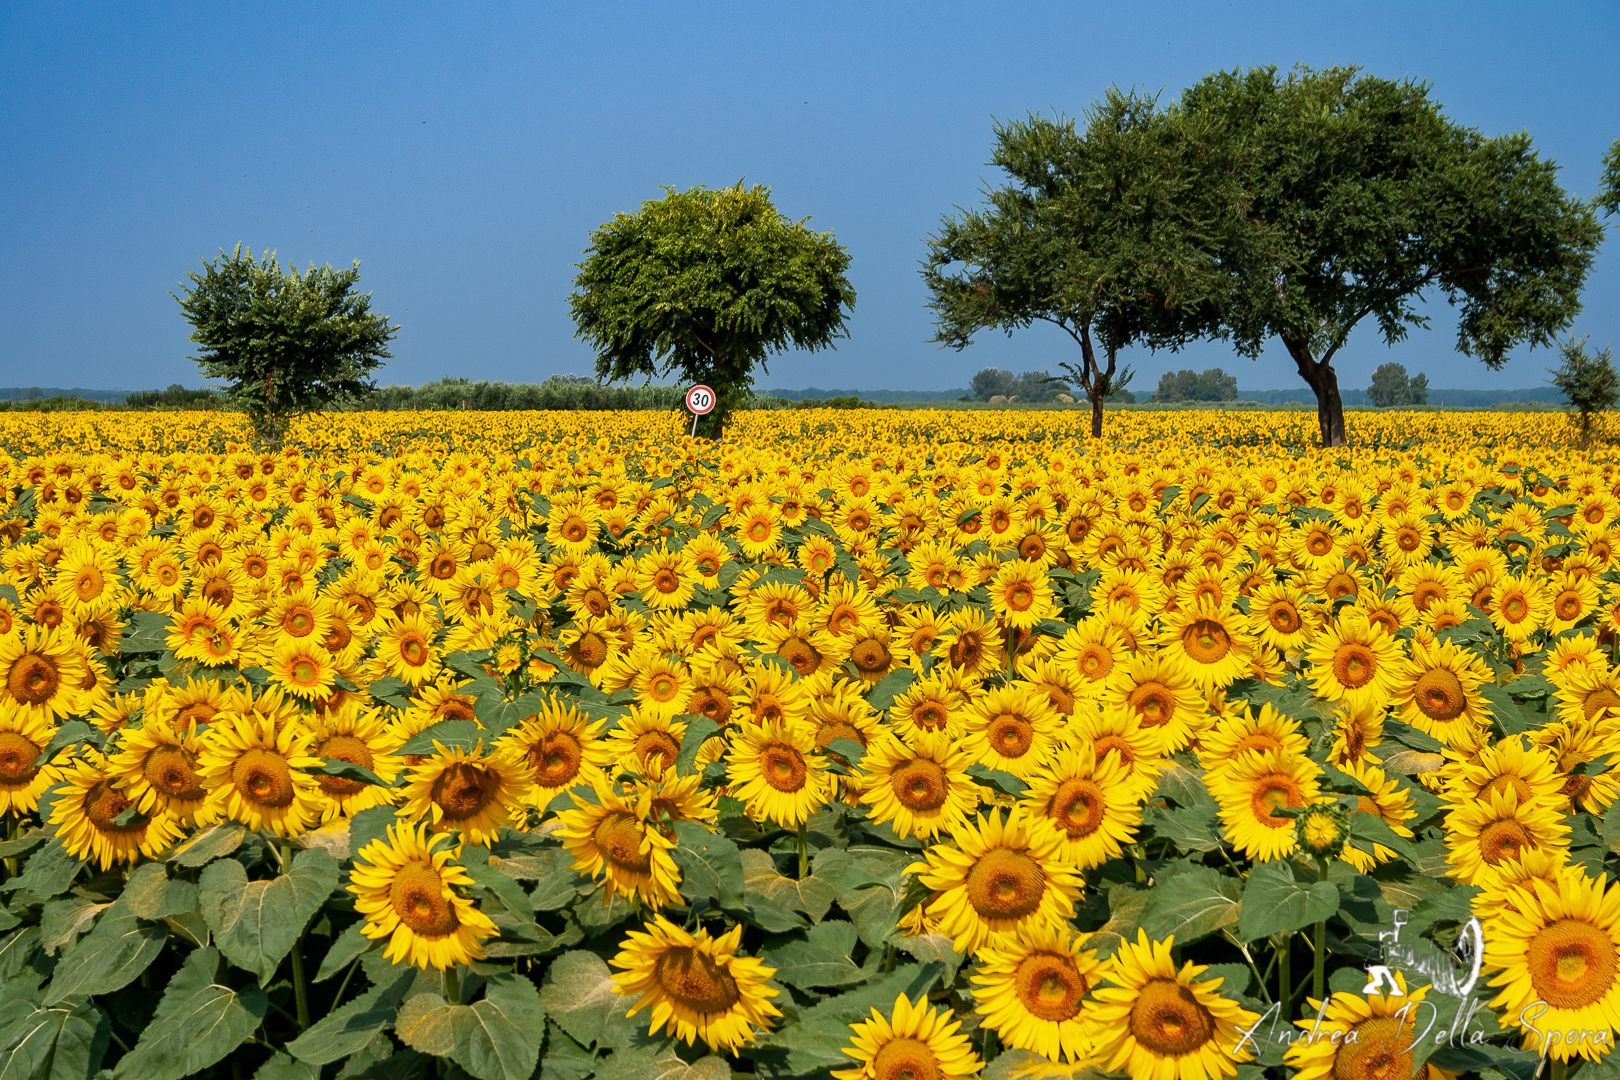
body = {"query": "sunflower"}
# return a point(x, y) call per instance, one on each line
point(774, 769)
point(303, 668)
point(408, 893)
point(1031, 991)
point(1121, 734)
point(1513, 879)
point(1559, 958)
point(919, 785)
point(666, 579)
point(646, 742)
point(770, 694)
point(661, 684)
point(1481, 833)
point(930, 705)
point(913, 1043)
point(1021, 594)
point(405, 649)
point(467, 791)
point(1519, 606)
point(970, 642)
point(1095, 808)
point(1439, 692)
point(159, 769)
point(85, 815)
point(1277, 617)
point(43, 672)
point(1000, 875)
point(561, 746)
point(1249, 787)
point(1158, 1023)
point(1158, 692)
point(1250, 730)
point(1388, 803)
point(1354, 661)
point(24, 735)
point(358, 737)
point(696, 985)
point(1532, 772)
point(608, 835)
point(1012, 728)
point(1090, 650)
point(1584, 690)
point(1357, 1037)
point(1208, 644)
point(253, 768)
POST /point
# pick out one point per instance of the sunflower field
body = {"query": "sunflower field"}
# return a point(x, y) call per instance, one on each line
point(863, 746)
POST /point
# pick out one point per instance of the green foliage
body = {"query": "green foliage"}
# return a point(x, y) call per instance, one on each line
point(1103, 233)
point(1588, 382)
point(1391, 388)
point(1030, 386)
point(1212, 384)
point(175, 397)
point(708, 284)
point(1359, 195)
point(1608, 196)
point(282, 341)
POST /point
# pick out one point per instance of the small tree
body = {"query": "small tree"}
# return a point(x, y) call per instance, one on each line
point(1588, 381)
point(708, 283)
point(1608, 196)
point(1391, 388)
point(1417, 390)
point(284, 343)
point(1212, 384)
point(1101, 233)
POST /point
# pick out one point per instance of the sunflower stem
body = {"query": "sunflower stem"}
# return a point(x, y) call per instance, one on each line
point(1012, 652)
point(452, 985)
point(1558, 1069)
point(804, 849)
point(344, 985)
point(1319, 962)
point(1285, 981)
point(300, 984)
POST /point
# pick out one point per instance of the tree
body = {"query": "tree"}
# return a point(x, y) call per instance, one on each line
point(1392, 389)
point(1588, 381)
point(1188, 385)
point(1359, 194)
point(284, 343)
point(708, 283)
point(1031, 386)
point(1102, 234)
point(1608, 196)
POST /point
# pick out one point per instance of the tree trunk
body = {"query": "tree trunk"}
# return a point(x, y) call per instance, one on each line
point(1096, 416)
point(1094, 381)
point(1324, 382)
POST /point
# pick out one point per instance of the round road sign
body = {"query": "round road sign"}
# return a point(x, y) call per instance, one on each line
point(700, 400)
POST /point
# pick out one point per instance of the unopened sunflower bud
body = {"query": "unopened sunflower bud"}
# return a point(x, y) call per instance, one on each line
point(1322, 829)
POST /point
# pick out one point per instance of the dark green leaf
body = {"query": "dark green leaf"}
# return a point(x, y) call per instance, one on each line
point(348, 770)
point(256, 923)
point(151, 895)
point(891, 686)
point(197, 1023)
point(699, 731)
point(812, 896)
point(1274, 902)
point(345, 949)
point(64, 1043)
point(214, 842)
point(111, 956)
point(711, 866)
point(578, 994)
point(452, 734)
point(819, 957)
point(349, 1028)
point(1190, 902)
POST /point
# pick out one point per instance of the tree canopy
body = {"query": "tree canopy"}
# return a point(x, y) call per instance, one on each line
point(1588, 382)
point(1107, 233)
point(283, 342)
point(1026, 386)
point(708, 283)
point(1359, 194)
point(1212, 384)
point(1391, 388)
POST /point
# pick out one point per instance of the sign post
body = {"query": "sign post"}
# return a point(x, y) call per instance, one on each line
point(700, 400)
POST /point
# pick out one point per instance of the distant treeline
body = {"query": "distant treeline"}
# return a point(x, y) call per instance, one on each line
point(560, 392)
point(886, 396)
point(1467, 399)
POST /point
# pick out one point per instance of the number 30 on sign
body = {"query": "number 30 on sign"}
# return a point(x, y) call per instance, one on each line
point(701, 401)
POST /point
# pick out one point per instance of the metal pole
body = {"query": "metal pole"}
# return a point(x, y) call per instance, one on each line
point(694, 425)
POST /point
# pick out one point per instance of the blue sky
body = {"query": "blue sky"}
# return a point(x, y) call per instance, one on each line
point(464, 152)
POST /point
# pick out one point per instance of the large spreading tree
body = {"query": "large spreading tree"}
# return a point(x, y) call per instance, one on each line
point(708, 284)
point(1106, 233)
point(283, 342)
point(1359, 197)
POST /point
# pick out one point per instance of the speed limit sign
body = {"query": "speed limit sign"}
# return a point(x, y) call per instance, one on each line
point(700, 400)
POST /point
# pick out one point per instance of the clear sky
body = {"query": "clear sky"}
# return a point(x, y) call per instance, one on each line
point(464, 152)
